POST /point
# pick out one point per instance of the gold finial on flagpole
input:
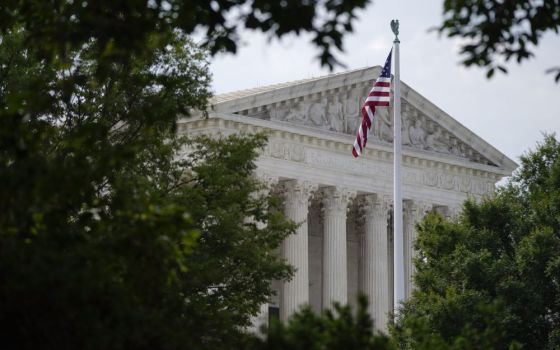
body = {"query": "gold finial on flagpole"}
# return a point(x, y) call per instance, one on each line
point(395, 29)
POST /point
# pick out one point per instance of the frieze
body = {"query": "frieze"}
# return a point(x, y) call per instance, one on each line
point(286, 151)
point(321, 159)
point(447, 181)
point(411, 176)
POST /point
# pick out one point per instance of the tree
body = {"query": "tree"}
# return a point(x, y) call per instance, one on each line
point(491, 279)
point(89, 247)
point(230, 271)
point(341, 328)
point(119, 28)
point(499, 30)
point(101, 232)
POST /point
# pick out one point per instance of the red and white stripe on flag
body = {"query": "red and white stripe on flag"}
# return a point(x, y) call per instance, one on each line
point(379, 96)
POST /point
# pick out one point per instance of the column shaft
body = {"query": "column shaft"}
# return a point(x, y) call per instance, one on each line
point(376, 269)
point(295, 292)
point(415, 213)
point(335, 279)
point(261, 319)
point(408, 228)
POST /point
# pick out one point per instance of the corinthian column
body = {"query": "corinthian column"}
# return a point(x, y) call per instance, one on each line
point(414, 212)
point(261, 318)
point(295, 248)
point(376, 269)
point(335, 280)
point(408, 233)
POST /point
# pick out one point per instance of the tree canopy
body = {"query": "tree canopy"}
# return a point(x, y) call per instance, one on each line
point(118, 28)
point(230, 271)
point(497, 31)
point(340, 328)
point(107, 238)
point(492, 278)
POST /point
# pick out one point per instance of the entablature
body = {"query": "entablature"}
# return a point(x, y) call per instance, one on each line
point(285, 138)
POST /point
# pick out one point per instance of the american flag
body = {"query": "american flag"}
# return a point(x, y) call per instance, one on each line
point(378, 96)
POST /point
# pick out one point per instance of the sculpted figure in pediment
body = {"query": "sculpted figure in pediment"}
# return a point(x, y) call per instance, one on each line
point(318, 115)
point(417, 134)
point(434, 143)
point(278, 113)
point(352, 111)
point(382, 125)
point(336, 114)
point(456, 148)
point(298, 114)
point(405, 125)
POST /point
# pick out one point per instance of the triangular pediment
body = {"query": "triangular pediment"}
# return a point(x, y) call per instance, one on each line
point(332, 104)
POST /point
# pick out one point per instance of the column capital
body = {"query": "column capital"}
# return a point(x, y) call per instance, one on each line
point(377, 205)
point(267, 179)
point(298, 192)
point(268, 183)
point(455, 211)
point(420, 209)
point(337, 199)
point(408, 205)
point(408, 213)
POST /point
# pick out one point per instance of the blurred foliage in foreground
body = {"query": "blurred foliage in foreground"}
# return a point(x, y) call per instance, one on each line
point(340, 328)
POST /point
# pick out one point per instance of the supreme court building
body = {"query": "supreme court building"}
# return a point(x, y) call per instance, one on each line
point(344, 244)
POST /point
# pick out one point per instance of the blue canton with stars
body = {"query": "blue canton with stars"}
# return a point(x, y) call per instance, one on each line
point(386, 72)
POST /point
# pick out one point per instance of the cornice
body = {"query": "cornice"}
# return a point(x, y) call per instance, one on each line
point(297, 91)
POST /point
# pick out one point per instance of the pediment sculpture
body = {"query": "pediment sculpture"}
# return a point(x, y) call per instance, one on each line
point(340, 112)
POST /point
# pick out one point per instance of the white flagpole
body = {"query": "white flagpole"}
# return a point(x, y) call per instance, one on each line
point(398, 260)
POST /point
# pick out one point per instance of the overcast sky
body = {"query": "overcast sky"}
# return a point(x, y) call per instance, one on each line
point(509, 111)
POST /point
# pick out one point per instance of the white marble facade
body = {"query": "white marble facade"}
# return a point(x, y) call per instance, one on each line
point(344, 243)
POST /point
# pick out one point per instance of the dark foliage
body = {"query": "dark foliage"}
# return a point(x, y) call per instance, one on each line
point(500, 30)
point(492, 279)
point(341, 328)
point(107, 240)
point(119, 28)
